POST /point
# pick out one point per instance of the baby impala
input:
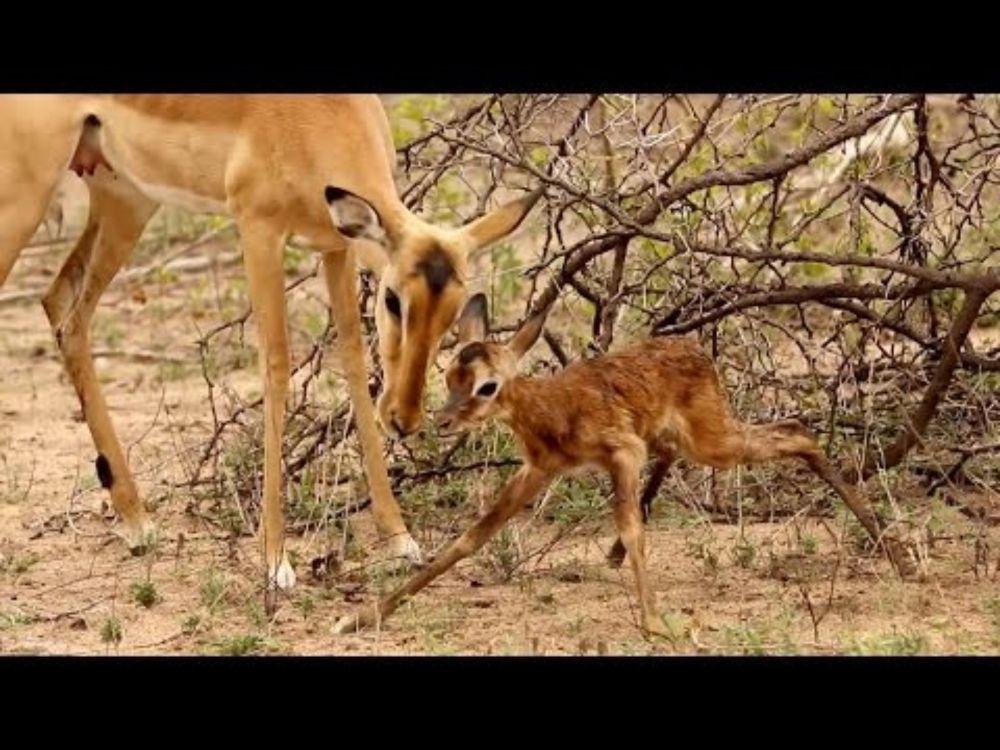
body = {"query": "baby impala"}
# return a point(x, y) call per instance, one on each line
point(657, 399)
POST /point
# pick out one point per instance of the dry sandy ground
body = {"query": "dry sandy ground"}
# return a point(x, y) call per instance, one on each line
point(68, 585)
point(64, 582)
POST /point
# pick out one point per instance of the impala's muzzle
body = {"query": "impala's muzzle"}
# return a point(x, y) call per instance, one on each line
point(447, 421)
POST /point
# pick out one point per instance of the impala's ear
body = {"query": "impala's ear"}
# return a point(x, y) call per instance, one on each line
point(528, 333)
point(498, 223)
point(353, 216)
point(474, 320)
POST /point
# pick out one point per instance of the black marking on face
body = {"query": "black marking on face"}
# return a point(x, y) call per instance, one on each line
point(104, 472)
point(392, 303)
point(471, 352)
point(437, 269)
point(92, 121)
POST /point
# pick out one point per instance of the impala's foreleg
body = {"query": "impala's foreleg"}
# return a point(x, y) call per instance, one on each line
point(525, 485)
point(341, 280)
point(263, 248)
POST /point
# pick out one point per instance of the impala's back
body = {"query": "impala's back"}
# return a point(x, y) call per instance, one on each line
point(662, 391)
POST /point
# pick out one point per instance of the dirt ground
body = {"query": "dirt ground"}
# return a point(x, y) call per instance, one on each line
point(69, 586)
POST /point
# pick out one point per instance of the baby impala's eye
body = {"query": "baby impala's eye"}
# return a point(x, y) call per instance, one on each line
point(487, 389)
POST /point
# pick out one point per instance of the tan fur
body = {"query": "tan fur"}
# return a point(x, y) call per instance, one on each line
point(269, 161)
point(660, 398)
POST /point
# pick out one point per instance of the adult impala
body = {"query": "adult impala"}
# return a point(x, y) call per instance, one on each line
point(316, 168)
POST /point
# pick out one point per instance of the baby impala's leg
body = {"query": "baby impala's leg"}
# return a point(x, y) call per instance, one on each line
point(754, 444)
point(656, 476)
point(527, 483)
point(629, 521)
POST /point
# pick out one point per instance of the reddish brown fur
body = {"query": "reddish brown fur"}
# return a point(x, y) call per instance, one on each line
point(664, 392)
point(660, 397)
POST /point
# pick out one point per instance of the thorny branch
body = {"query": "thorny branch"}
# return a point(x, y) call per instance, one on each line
point(838, 255)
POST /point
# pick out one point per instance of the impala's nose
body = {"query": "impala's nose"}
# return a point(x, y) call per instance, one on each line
point(443, 423)
point(402, 428)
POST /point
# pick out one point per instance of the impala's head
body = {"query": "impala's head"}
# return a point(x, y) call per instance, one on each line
point(477, 376)
point(421, 290)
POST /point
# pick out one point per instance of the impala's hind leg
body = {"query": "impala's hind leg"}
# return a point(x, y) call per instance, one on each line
point(117, 217)
point(625, 473)
point(656, 476)
point(750, 444)
point(18, 220)
point(23, 203)
point(38, 138)
point(753, 444)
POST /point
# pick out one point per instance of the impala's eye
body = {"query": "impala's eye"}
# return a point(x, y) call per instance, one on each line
point(392, 303)
point(487, 389)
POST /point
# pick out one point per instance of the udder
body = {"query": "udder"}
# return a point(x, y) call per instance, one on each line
point(88, 156)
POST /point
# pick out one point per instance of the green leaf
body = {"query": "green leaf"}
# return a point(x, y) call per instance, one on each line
point(539, 156)
point(815, 270)
point(826, 106)
point(655, 247)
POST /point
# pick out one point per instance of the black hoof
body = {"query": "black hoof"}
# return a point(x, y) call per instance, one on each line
point(616, 556)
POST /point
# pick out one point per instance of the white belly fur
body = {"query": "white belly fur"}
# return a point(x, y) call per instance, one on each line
point(170, 196)
point(114, 140)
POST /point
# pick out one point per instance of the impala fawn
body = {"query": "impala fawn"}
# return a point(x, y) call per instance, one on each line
point(658, 399)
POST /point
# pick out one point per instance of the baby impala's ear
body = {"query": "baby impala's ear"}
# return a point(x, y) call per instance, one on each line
point(473, 323)
point(528, 334)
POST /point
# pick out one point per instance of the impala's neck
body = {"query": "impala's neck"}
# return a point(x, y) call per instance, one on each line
point(541, 416)
point(396, 219)
point(529, 406)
